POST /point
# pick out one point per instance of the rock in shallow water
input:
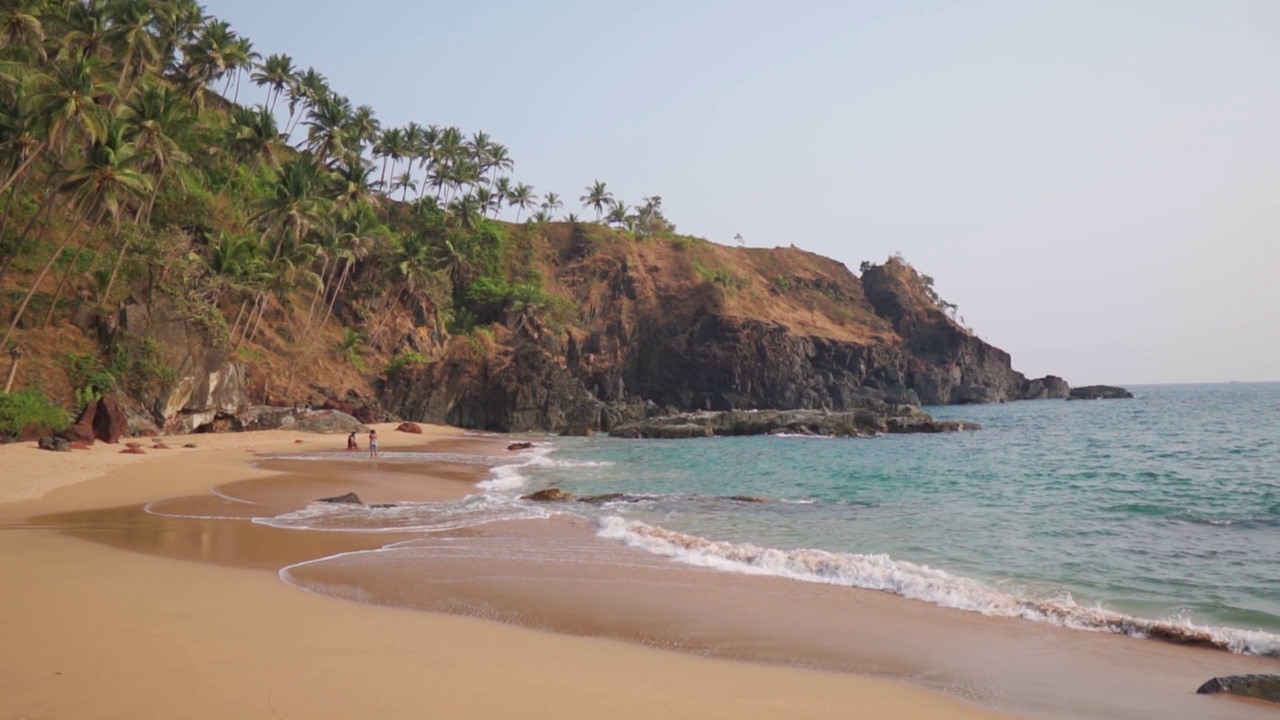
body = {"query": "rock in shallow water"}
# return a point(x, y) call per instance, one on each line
point(548, 495)
point(1099, 392)
point(1261, 687)
point(348, 499)
point(853, 423)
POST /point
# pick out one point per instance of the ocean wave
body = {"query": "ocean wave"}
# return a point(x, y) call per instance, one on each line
point(421, 517)
point(920, 582)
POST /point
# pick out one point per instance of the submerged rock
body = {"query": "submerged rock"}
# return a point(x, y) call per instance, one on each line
point(1260, 687)
point(1099, 392)
point(348, 499)
point(548, 495)
point(520, 446)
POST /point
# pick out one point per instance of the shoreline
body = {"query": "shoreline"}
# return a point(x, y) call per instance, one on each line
point(195, 629)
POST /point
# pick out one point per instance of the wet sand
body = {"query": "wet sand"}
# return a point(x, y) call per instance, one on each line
point(179, 616)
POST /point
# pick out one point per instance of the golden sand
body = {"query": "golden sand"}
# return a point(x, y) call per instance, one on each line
point(95, 631)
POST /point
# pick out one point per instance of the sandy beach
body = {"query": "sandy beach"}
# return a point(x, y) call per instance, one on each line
point(92, 630)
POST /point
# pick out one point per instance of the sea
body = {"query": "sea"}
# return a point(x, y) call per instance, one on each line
point(1153, 517)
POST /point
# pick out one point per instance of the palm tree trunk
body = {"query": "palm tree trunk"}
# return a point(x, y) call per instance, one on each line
point(13, 370)
point(26, 164)
point(124, 248)
point(35, 285)
point(231, 335)
point(71, 266)
point(324, 269)
point(337, 290)
point(8, 204)
point(46, 208)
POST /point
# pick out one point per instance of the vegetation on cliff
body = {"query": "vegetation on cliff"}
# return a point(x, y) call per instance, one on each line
point(329, 256)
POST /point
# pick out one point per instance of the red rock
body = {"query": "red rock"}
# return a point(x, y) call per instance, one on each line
point(520, 446)
point(133, 451)
point(133, 445)
point(408, 427)
point(159, 446)
point(297, 442)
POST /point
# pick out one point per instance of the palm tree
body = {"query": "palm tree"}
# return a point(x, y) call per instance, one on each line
point(276, 73)
point(21, 27)
point(130, 32)
point(326, 123)
point(597, 197)
point(101, 186)
point(62, 100)
point(253, 135)
point(522, 197)
point(309, 88)
point(294, 205)
point(159, 119)
point(404, 183)
point(391, 148)
point(618, 213)
point(355, 184)
point(209, 58)
point(464, 209)
point(240, 56)
point(177, 23)
point(551, 203)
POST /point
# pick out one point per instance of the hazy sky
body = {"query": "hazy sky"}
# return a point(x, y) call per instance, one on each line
point(1097, 185)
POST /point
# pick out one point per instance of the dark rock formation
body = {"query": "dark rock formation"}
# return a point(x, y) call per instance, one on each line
point(328, 421)
point(348, 499)
point(408, 427)
point(209, 383)
point(1260, 687)
point(852, 423)
point(56, 444)
point(1099, 392)
point(519, 446)
point(102, 419)
point(655, 335)
point(267, 417)
point(578, 430)
point(549, 495)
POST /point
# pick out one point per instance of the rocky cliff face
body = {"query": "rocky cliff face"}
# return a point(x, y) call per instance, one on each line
point(666, 326)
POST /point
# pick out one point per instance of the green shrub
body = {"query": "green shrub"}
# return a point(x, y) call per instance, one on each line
point(89, 378)
point(30, 408)
point(410, 357)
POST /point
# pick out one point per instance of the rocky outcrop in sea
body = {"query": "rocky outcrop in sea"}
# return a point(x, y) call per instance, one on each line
point(855, 423)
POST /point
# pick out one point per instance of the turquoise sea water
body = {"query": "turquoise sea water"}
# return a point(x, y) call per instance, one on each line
point(1148, 516)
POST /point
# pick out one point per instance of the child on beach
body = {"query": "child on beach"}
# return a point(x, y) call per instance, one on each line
point(351, 442)
point(373, 443)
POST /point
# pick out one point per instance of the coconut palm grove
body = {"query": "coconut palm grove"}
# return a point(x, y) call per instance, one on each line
point(130, 170)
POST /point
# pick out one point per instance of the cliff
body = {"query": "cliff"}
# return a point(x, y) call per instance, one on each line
point(678, 324)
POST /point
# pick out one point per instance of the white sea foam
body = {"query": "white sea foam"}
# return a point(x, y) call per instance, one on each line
point(920, 582)
point(405, 517)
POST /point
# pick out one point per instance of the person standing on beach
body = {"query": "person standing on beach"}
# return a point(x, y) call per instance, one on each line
point(373, 443)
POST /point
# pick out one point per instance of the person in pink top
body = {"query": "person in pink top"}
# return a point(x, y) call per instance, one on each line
point(373, 443)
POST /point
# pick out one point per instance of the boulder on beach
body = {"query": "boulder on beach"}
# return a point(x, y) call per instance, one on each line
point(348, 499)
point(520, 446)
point(329, 421)
point(1099, 392)
point(133, 451)
point(549, 495)
point(56, 444)
point(101, 419)
point(1259, 687)
point(409, 427)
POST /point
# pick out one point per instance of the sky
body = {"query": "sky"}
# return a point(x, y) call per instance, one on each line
point(1095, 184)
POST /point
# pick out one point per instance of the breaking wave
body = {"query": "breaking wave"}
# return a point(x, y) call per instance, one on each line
point(920, 582)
